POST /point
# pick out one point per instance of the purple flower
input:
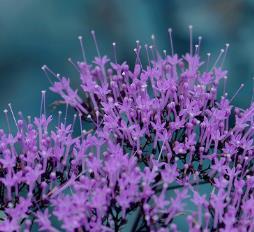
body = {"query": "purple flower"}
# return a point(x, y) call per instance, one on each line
point(146, 138)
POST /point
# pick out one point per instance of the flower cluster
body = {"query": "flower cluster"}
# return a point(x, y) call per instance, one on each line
point(158, 132)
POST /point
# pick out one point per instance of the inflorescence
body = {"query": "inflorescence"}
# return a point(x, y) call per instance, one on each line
point(157, 132)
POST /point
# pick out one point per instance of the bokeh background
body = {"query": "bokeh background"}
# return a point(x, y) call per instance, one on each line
point(34, 33)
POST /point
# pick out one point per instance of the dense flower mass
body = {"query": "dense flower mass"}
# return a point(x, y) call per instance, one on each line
point(158, 131)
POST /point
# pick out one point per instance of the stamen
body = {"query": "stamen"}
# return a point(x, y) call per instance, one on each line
point(218, 58)
point(59, 118)
point(196, 49)
point(137, 43)
point(199, 42)
point(45, 68)
point(171, 41)
point(95, 42)
point(147, 55)
point(82, 48)
point(73, 122)
point(13, 116)
point(190, 31)
point(165, 53)
point(152, 51)
point(161, 150)
point(137, 52)
point(156, 54)
point(114, 51)
point(241, 86)
point(153, 39)
point(224, 84)
point(80, 123)
point(225, 54)
point(74, 65)
point(43, 103)
point(208, 60)
point(66, 112)
point(29, 119)
point(7, 120)
point(46, 74)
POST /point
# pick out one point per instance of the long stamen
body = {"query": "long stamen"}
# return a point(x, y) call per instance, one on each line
point(29, 119)
point(59, 118)
point(7, 120)
point(199, 42)
point(13, 116)
point(74, 65)
point(161, 150)
point(190, 31)
point(147, 55)
point(80, 123)
point(171, 41)
point(66, 112)
point(95, 42)
point(224, 85)
point(218, 58)
point(114, 51)
point(46, 74)
point(196, 49)
point(165, 53)
point(82, 48)
point(155, 47)
point(208, 60)
point(47, 69)
point(43, 103)
point(152, 51)
point(241, 86)
point(73, 122)
point(137, 52)
point(225, 54)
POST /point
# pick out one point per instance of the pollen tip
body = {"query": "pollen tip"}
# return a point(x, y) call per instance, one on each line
point(80, 37)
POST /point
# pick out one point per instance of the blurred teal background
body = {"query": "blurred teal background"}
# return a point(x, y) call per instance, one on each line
point(34, 33)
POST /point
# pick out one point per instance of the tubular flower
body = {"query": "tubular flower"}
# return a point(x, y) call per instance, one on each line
point(158, 130)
